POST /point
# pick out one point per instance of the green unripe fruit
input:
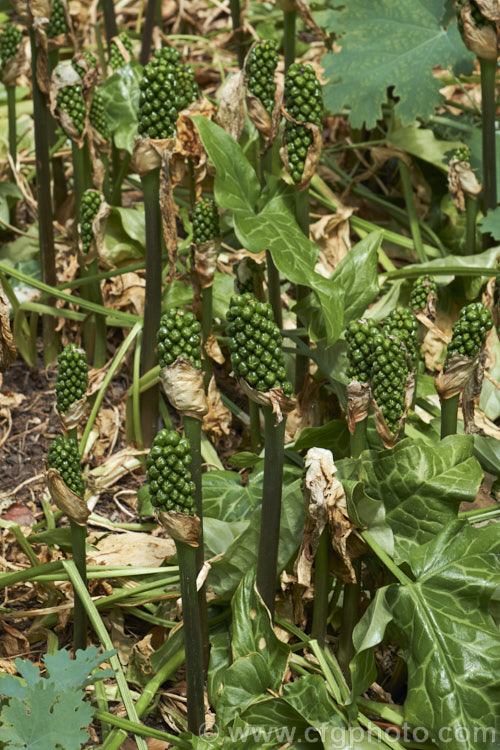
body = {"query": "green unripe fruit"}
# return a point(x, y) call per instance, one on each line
point(179, 335)
point(303, 102)
point(420, 291)
point(89, 207)
point(462, 154)
point(70, 98)
point(469, 332)
point(63, 455)
point(167, 55)
point(91, 63)
point(205, 221)
point(57, 22)
point(260, 69)
point(389, 374)
point(255, 344)
point(10, 39)
point(72, 377)
point(97, 115)
point(404, 325)
point(359, 337)
point(116, 59)
point(168, 475)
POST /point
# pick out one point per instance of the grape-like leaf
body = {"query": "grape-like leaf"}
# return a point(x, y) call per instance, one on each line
point(390, 43)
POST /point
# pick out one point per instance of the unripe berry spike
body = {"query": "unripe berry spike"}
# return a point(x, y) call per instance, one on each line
point(179, 335)
point(83, 63)
point(58, 23)
point(359, 335)
point(391, 386)
point(304, 112)
point(89, 210)
point(63, 455)
point(120, 51)
point(469, 332)
point(260, 70)
point(205, 221)
point(168, 475)
point(423, 296)
point(72, 106)
point(403, 325)
point(10, 39)
point(72, 378)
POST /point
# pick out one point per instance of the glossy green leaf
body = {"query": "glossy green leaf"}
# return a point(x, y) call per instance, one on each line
point(422, 143)
point(121, 104)
point(368, 632)
point(225, 498)
point(333, 435)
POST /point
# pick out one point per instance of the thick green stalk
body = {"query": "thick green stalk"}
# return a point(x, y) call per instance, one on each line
point(404, 172)
point(192, 430)
point(147, 31)
point(109, 19)
point(206, 327)
point(301, 360)
point(95, 332)
point(60, 190)
point(471, 207)
point(273, 275)
point(152, 307)
point(82, 172)
point(449, 416)
point(350, 613)
point(267, 561)
point(193, 646)
point(78, 536)
point(120, 169)
point(358, 439)
point(11, 108)
point(321, 589)
point(289, 19)
point(45, 230)
point(488, 106)
point(254, 413)
point(238, 32)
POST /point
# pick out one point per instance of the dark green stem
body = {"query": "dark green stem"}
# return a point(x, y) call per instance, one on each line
point(404, 172)
point(267, 561)
point(96, 336)
point(11, 109)
point(82, 172)
point(321, 589)
point(78, 536)
point(193, 647)
point(45, 230)
point(301, 360)
point(289, 19)
point(273, 275)
point(147, 31)
point(350, 613)
point(488, 106)
point(254, 413)
point(152, 307)
point(449, 415)
point(238, 32)
point(110, 26)
point(471, 207)
point(206, 327)
point(120, 168)
point(358, 439)
point(192, 430)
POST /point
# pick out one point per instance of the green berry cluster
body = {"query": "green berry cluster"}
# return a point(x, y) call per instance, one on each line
point(469, 332)
point(303, 102)
point(166, 88)
point(70, 98)
point(63, 455)
point(404, 325)
point(168, 476)
point(420, 291)
point(10, 39)
point(255, 344)
point(91, 62)
point(72, 377)
point(462, 154)
point(179, 336)
point(260, 69)
point(388, 381)
point(57, 22)
point(205, 221)
point(115, 56)
point(97, 115)
point(359, 337)
point(90, 204)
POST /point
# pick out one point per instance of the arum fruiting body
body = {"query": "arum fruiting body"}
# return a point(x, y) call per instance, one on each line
point(179, 336)
point(205, 221)
point(359, 336)
point(10, 40)
point(304, 103)
point(420, 292)
point(260, 69)
point(70, 99)
point(469, 331)
point(255, 343)
point(116, 59)
point(403, 325)
point(90, 59)
point(72, 377)
point(91, 202)
point(97, 115)
point(168, 475)
point(389, 375)
point(57, 22)
point(63, 455)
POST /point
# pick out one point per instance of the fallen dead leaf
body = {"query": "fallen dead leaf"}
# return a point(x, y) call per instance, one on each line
point(18, 513)
point(130, 548)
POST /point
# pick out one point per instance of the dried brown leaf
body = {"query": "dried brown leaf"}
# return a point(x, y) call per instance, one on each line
point(8, 351)
point(358, 403)
point(231, 114)
point(66, 500)
point(484, 41)
point(183, 386)
point(181, 527)
point(274, 397)
point(217, 421)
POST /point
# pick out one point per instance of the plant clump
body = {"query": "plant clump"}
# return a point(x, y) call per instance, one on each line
point(388, 379)
point(404, 325)
point(168, 475)
point(57, 22)
point(63, 455)
point(205, 221)
point(359, 336)
point(420, 292)
point(255, 343)
point(304, 103)
point(260, 69)
point(469, 331)
point(166, 88)
point(179, 336)
point(116, 59)
point(90, 204)
point(70, 99)
point(10, 39)
point(72, 377)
